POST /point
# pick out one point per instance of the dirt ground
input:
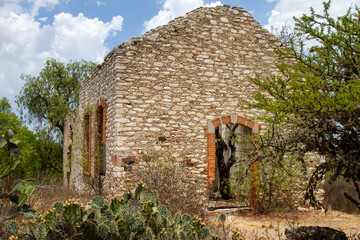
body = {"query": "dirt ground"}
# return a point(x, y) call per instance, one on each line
point(272, 226)
point(252, 226)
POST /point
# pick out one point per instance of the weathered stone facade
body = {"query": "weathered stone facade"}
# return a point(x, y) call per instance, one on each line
point(169, 90)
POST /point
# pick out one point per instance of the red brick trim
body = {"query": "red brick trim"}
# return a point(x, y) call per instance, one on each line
point(116, 160)
point(211, 157)
point(226, 119)
point(241, 120)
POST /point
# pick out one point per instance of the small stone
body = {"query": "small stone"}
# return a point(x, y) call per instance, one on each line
point(158, 64)
point(224, 19)
point(123, 120)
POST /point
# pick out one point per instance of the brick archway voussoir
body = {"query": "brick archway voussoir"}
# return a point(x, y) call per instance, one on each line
point(212, 124)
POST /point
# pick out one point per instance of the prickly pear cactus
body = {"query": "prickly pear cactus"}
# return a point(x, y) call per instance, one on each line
point(134, 216)
point(73, 213)
point(12, 227)
point(115, 206)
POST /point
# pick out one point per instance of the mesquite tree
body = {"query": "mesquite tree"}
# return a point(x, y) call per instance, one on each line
point(317, 96)
point(50, 96)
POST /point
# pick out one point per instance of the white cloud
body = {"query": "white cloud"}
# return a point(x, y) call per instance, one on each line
point(99, 3)
point(37, 4)
point(25, 43)
point(284, 10)
point(75, 36)
point(213, 4)
point(175, 8)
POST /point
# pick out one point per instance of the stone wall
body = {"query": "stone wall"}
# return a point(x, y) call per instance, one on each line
point(170, 88)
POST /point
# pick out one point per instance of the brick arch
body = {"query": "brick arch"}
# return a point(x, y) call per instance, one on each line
point(211, 126)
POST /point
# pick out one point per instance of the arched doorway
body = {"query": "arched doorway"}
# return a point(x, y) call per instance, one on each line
point(226, 144)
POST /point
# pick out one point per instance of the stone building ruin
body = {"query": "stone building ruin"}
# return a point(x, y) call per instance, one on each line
point(169, 90)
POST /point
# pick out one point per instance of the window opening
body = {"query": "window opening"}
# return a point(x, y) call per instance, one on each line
point(100, 139)
point(69, 153)
point(87, 157)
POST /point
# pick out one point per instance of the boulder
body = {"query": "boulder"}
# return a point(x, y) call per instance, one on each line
point(314, 233)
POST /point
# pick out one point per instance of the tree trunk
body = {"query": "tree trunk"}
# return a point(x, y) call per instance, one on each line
point(225, 165)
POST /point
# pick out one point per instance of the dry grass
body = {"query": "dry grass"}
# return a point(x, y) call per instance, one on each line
point(249, 225)
point(45, 196)
point(334, 198)
point(272, 226)
point(173, 181)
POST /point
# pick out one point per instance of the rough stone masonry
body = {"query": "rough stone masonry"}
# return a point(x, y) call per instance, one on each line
point(167, 90)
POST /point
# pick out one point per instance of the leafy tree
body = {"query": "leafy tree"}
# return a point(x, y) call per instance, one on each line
point(12, 205)
point(50, 96)
point(286, 34)
point(50, 154)
point(316, 99)
point(5, 105)
point(25, 138)
point(39, 154)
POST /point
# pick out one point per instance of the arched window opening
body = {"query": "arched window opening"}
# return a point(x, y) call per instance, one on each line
point(87, 142)
point(69, 154)
point(101, 153)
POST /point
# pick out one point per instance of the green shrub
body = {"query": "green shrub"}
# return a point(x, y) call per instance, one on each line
point(12, 205)
point(279, 187)
point(136, 215)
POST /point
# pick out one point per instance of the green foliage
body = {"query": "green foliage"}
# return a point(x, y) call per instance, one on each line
point(39, 152)
point(49, 152)
point(25, 187)
point(73, 213)
point(279, 185)
point(12, 227)
point(240, 181)
point(50, 96)
point(12, 205)
point(46, 98)
point(316, 99)
point(5, 105)
point(134, 216)
point(9, 165)
point(278, 177)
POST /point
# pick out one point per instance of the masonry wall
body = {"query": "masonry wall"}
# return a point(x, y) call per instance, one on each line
point(179, 82)
point(97, 90)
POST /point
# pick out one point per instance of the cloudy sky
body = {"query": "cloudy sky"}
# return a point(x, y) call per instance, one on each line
point(33, 30)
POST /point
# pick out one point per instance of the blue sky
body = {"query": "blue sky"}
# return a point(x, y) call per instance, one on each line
point(33, 30)
point(136, 12)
